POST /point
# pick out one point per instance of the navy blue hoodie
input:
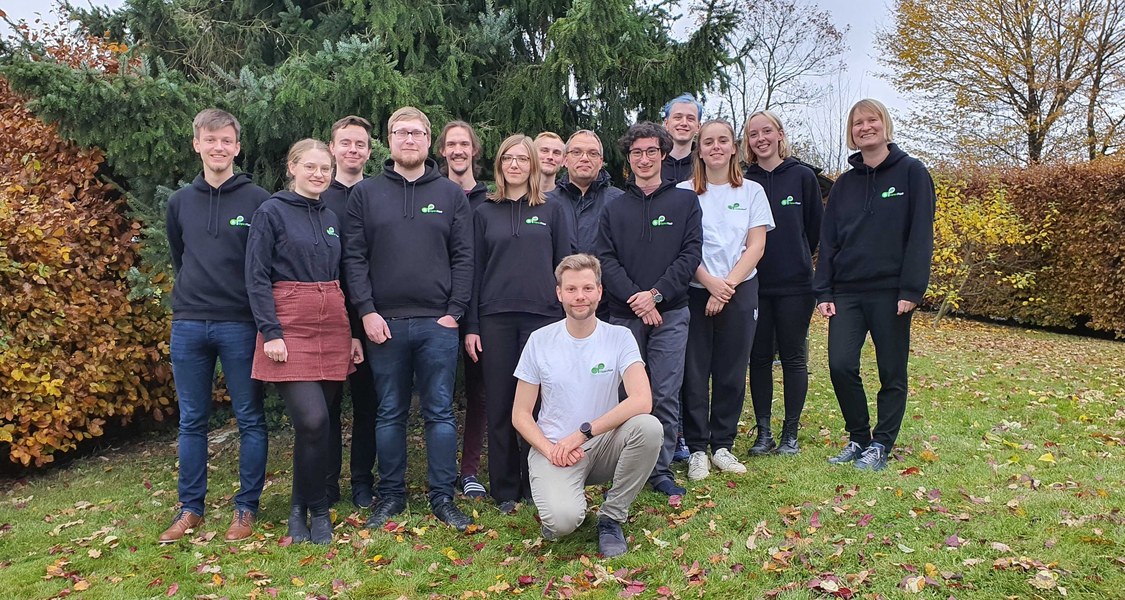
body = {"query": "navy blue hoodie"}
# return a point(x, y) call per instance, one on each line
point(878, 230)
point(335, 198)
point(646, 242)
point(786, 267)
point(477, 195)
point(410, 246)
point(207, 229)
point(293, 239)
point(677, 170)
point(585, 209)
point(517, 247)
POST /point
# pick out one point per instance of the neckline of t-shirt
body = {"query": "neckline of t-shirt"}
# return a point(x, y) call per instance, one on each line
point(597, 325)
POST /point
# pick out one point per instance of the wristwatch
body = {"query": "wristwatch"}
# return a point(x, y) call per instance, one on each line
point(657, 297)
point(586, 430)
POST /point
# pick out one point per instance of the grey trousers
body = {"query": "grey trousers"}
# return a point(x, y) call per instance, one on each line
point(664, 352)
point(624, 456)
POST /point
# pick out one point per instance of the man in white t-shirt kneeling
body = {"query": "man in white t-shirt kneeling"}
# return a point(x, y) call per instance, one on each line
point(584, 435)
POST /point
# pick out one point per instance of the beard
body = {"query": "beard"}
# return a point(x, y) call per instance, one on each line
point(410, 160)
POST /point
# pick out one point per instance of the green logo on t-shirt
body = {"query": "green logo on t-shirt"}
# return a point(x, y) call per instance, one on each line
point(600, 369)
point(332, 232)
point(660, 221)
point(790, 202)
point(429, 209)
point(736, 206)
point(239, 221)
point(535, 221)
point(891, 192)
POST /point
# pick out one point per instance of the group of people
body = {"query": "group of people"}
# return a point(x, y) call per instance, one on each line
point(598, 326)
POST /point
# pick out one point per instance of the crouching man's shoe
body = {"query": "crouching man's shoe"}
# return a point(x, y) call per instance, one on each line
point(611, 540)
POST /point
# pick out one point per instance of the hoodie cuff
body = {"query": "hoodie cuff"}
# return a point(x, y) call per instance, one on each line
point(910, 295)
point(272, 334)
point(364, 308)
point(825, 298)
point(455, 310)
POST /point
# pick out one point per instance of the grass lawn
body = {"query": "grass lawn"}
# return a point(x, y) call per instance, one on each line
point(1007, 483)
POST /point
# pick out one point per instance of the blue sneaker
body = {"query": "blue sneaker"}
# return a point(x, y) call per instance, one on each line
point(850, 453)
point(681, 453)
point(874, 458)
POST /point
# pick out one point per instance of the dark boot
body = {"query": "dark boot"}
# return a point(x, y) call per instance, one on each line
point(298, 523)
point(789, 437)
point(320, 524)
point(764, 444)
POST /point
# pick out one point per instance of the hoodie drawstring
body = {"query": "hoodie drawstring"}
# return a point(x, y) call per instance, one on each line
point(213, 211)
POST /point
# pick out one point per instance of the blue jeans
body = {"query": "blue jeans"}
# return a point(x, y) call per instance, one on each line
point(422, 347)
point(195, 347)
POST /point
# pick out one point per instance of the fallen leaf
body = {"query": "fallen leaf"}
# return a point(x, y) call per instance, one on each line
point(1047, 458)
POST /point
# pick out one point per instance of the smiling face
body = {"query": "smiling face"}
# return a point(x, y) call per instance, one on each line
point(645, 159)
point(579, 293)
point(716, 146)
point(868, 130)
point(311, 173)
point(551, 154)
point(410, 142)
point(682, 122)
point(763, 137)
point(351, 147)
point(458, 151)
point(217, 148)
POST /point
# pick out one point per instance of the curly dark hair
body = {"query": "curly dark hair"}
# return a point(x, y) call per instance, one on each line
point(646, 129)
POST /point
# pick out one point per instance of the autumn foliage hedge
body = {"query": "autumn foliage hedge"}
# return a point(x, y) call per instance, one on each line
point(75, 352)
point(1048, 243)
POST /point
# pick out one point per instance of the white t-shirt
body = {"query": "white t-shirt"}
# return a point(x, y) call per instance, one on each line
point(578, 379)
point(729, 213)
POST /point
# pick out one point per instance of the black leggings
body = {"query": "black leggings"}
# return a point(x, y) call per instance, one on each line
point(784, 320)
point(307, 404)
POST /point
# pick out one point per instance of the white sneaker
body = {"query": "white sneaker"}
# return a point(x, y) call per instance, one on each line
point(697, 467)
point(725, 462)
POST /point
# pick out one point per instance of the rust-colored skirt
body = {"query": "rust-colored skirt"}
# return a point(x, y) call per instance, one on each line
point(317, 336)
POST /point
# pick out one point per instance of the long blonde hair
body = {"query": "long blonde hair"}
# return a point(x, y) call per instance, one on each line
point(699, 169)
point(534, 194)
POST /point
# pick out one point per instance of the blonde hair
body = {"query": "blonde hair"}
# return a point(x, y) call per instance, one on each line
point(579, 262)
point(214, 119)
point(783, 150)
point(699, 169)
point(534, 194)
point(299, 149)
point(408, 113)
point(872, 106)
point(548, 135)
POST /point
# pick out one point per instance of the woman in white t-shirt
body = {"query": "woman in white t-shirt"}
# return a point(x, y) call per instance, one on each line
point(723, 299)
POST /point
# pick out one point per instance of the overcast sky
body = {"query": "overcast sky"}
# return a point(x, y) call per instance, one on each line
point(864, 16)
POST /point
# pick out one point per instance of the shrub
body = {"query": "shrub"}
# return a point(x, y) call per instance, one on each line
point(75, 352)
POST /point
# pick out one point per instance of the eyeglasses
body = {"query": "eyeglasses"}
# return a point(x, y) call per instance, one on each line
point(417, 134)
point(523, 161)
point(645, 152)
point(578, 154)
point(311, 168)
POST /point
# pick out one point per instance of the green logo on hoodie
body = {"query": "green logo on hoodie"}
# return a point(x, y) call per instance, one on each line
point(332, 232)
point(661, 222)
point(789, 201)
point(736, 206)
point(891, 192)
point(535, 221)
point(600, 369)
point(429, 209)
point(239, 221)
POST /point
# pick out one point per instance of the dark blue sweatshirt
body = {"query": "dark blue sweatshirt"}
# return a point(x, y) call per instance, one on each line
point(585, 209)
point(293, 239)
point(335, 198)
point(786, 267)
point(207, 229)
point(647, 242)
point(517, 247)
point(677, 169)
point(410, 246)
point(477, 195)
point(878, 230)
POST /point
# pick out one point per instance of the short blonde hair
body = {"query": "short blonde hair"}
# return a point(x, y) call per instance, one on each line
point(579, 262)
point(299, 149)
point(548, 135)
point(408, 113)
point(214, 119)
point(783, 150)
point(534, 194)
point(872, 106)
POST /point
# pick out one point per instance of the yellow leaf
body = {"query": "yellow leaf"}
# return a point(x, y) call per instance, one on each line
point(1047, 458)
point(297, 581)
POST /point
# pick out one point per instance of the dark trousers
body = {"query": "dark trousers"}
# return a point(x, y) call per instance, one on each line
point(502, 337)
point(307, 404)
point(784, 321)
point(856, 315)
point(718, 349)
point(472, 439)
point(364, 405)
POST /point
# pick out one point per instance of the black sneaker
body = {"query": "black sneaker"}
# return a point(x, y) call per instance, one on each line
point(850, 453)
point(362, 496)
point(383, 512)
point(508, 507)
point(611, 540)
point(447, 512)
point(874, 458)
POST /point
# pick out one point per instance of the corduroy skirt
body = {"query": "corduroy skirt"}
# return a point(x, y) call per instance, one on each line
point(317, 336)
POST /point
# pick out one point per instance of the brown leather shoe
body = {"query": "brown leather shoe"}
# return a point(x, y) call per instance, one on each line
point(184, 522)
point(241, 526)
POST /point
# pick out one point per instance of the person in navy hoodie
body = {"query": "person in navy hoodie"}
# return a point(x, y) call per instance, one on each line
point(350, 145)
point(409, 267)
point(876, 244)
point(519, 238)
point(461, 150)
point(785, 300)
point(207, 224)
point(305, 345)
point(650, 243)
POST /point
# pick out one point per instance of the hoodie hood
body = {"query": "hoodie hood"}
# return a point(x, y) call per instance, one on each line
point(314, 208)
point(632, 189)
point(409, 188)
point(856, 161)
point(477, 195)
point(214, 195)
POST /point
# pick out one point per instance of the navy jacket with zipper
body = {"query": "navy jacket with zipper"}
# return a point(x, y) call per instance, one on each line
point(786, 267)
point(585, 209)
